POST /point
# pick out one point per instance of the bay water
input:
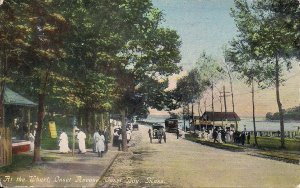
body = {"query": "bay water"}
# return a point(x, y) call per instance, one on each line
point(262, 124)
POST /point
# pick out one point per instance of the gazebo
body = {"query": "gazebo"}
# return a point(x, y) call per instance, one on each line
point(8, 146)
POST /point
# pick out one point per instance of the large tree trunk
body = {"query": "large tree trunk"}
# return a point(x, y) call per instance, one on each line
point(183, 117)
point(2, 104)
point(3, 72)
point(279, 103)
point(86, 123)
point(253, 111)
point(124, 134)
point(37, 141)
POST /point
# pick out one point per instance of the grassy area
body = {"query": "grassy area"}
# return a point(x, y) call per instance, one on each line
point(22, 162)
point(225, 146)
point(281, 156)
point(274, 143)
point(268, 148)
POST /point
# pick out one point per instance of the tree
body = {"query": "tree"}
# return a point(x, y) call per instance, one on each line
point(267, 36)
point(189, 88)
point(13, 43)
point(43, 54)
point(210, 71)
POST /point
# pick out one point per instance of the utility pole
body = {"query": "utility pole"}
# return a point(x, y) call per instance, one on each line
point(221, 108)
point(229, 70)
point(188, 109)
point(223, 94)
point(225, 103)
point(204, 112)
point(212, 105)
point(193, 112)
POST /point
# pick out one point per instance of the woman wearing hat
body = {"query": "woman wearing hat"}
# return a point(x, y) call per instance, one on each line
point(81, 140)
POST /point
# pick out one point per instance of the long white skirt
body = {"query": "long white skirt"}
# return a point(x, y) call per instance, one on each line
point(64, 146)
point(81, 144)
point(100, 146)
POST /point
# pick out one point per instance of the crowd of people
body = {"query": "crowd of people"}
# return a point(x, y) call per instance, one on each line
point(220, 135)
point(117, 135)
point(100, 142)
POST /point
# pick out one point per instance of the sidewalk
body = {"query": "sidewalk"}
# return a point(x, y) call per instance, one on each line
point(80, 170)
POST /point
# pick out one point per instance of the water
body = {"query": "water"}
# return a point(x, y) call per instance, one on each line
point(261, 123)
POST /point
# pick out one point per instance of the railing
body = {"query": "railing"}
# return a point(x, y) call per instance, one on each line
point(5, 147)
point(288, 134)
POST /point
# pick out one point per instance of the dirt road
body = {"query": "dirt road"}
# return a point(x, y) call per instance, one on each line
point(181, 163)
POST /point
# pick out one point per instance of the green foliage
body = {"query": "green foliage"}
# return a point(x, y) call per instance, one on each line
point(289, 114)
point(274, 143)
point(191, 87)
point(88, 56)
point(266, 32)
point(265, 43)
point(210, 72)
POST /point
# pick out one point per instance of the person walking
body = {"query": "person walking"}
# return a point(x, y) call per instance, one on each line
point(150, 135)
point(81, 136)
point(248, 138)
point(63, 143)
point(94, 140)
point(215, 135)
point(128, 135)
point(120, 143)
point(99, 139)
point(159, 135)
point(177, 133)
point(243, 138)
point(31, 139)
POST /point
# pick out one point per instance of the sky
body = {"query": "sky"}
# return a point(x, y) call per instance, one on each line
point(203, 25)
point(206, 25)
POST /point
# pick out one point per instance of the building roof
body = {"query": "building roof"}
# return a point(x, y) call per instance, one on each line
point(13, 98)
point(220, 116)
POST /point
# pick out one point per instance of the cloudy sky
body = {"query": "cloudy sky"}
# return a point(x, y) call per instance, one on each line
point(206, 25)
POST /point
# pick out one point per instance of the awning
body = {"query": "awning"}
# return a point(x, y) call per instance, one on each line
point(13, 98)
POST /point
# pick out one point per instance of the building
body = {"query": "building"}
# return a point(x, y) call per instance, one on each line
point(219, 119)
point(14, 105)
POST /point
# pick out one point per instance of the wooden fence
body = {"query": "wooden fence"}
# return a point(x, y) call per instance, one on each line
point(5, 147)
point(288, 134)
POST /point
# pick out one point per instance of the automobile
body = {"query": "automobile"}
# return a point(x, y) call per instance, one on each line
point(155, 129)
point(135, 126)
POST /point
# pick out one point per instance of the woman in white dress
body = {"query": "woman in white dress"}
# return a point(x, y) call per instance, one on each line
point(227, 136)
point(31, 139)
point(219, 137)
point(63, 143)
point(81, 136)
point(99, 140)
